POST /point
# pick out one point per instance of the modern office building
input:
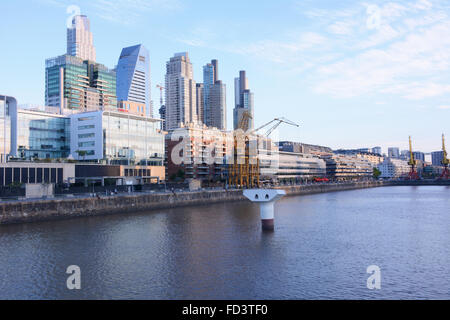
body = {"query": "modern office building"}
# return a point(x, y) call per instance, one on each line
point(29, 134)
point(214, 97)
point(394, 153)
point(200, 104)
point(77, 85)
point(374, 158)
point(80, 41)
point(392, 168)
point(39, 135)
point(133, 77)
point(292, 167)
point(419, 156)
point(377, 150)
point(298, 147)
point(116, 138)
point(347, 167)
point(7, 106)
point(437, 157)
point(180, 92)
point(244, 101)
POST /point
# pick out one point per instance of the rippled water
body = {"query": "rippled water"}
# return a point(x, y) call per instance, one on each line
point(321, 249)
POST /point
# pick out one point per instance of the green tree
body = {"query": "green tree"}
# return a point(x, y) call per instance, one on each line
point(376, 173)
point(82, 153)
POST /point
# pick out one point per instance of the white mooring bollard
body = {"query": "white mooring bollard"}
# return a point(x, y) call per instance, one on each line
point(266, 200)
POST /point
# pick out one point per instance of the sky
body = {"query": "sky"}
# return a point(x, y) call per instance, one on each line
point(353, 74)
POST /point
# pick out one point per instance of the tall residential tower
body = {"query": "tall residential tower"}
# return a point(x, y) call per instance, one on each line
point(180, 92)
point(244, 101)
point(214, 97)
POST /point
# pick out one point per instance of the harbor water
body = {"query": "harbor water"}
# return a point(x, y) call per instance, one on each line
point(321, 249)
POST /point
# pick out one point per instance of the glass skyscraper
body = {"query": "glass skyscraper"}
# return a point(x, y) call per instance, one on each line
point(78, 85)
point(133, 77)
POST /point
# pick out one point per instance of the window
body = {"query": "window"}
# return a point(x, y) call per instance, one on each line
point(86, 127)
point(86, 144)
point(86, 119)
point(86, 135)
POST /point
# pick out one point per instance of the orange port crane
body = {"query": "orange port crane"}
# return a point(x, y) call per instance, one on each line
point(413, 175)
point(445, 161)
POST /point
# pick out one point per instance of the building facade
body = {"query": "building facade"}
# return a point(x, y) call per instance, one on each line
point(197, 152)
point(214, 97)
point(244, 101)
point(392, 168)
point(116, 138)
point(394, 153)
point(292, 167)
point(7, 106)
point(39, 135)
point(77, 85)
point(133, 77)
point(180, 92)
point(80, 42)
point(347, 167)
point(437, 157)
point(200, 102)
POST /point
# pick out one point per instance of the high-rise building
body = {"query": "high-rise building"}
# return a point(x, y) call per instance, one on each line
point(133, 77)
point(377, 150)
point(79, 86)
point(419, 156)
point(80, 41)
point(200, 104)
point(214, 97)
point(394, 153)
point(180, 92)
point(162, 116)
point(437, 157)
point(244, 100)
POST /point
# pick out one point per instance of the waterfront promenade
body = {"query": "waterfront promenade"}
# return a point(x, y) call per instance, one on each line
point(83, 206)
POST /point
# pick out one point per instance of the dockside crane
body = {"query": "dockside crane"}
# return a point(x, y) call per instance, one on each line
point(445, 161)
point(246, 173)
point(413, 175)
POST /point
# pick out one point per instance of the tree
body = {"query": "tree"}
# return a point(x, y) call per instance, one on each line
point(82, 153)
point(376, 173)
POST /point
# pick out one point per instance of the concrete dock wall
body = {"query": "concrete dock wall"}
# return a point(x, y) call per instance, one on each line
point(31, 211)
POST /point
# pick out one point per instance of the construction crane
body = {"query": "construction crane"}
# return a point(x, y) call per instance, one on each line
point(278, 122)
point(445, 161)
point(244, 172)
point(161, 89)
point(413, 163)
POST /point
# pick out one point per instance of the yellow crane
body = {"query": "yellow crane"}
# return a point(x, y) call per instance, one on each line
point(445, 160)
point(412, 162)
point(245, 169)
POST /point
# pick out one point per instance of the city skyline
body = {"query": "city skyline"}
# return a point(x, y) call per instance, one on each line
point(387, 118)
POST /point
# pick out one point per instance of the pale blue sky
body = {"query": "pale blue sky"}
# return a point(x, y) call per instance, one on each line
point(352, 73)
